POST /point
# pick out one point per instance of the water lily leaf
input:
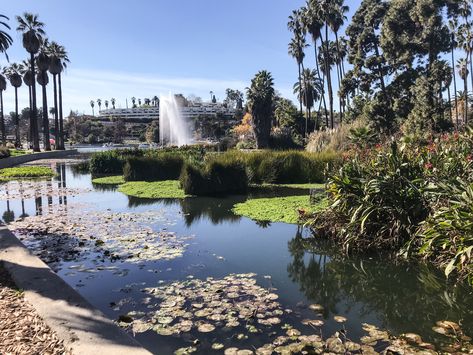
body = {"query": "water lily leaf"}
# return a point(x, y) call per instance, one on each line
point(205, 328)
point(339, 319)
point(316, 307)
point(217, 346)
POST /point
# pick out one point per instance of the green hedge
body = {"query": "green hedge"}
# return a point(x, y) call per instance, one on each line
point(166, 166)
point(215, 178)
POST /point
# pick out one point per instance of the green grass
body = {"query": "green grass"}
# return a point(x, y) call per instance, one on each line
point(277, 209)
point(26, 172)
point(155, 189)
point(109, 180)
point(18, 152)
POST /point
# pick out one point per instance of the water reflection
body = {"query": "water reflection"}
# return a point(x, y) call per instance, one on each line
point(195, 209)
point(404, 296)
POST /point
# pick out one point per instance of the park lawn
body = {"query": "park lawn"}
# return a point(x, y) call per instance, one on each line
point(18, 152)
point(109, 180)
point(278, 209)
point(307, 186)
point(26, 172)
point(155, 189)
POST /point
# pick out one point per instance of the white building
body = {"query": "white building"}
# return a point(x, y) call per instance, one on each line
point(191, 111)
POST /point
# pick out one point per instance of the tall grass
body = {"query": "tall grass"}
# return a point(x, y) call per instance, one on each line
point(165, 166)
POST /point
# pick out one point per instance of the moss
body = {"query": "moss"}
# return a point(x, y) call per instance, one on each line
point(109, 180)
point(156, 189)
point(26, 172)
point(277, 209)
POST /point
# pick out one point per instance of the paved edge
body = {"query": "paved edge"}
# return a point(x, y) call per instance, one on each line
point(21, 159)
point(84, 329)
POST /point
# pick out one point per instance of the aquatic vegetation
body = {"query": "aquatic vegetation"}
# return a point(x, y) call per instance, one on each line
point(109, 180)
point(278, 209)
point(127, 236)
point(206, 305)
point(156, 189)
point(27, 189)
point(26, 172)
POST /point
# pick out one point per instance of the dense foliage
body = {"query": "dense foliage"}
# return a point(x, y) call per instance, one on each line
point(166, 166)
point(413, 198)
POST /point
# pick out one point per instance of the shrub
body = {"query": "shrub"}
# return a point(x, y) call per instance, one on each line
point(215, 178)
point(377, 203)
point(111, 162)
point(4, 152)
point(165, 166)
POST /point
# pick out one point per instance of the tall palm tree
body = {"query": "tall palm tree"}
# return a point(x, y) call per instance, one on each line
point(155, 101)
point(462, 67)
point(33, 33)
point(112, 100)
point(14, 75)
point(92, 104)
point(260, 103)
point(99, 104)
point(28, 77)
point(327, 58)
point(3, 87)
point(139, 102)
point(106, 104)
point(314, 24)
point(5, 39)
point(43, 61)
point(453, 25)
point(296, 50)
point(133, 101)
point(59, 61)
point(309, 92)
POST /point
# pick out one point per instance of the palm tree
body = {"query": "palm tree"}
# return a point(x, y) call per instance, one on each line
point(327, 58)
point(139, 102)
point(99, 104)
point(314, 24)
point(155, 101)
point(3, 87)
point(28, 77)
point(133, 100)
point(5, 39)
point(296, 50)
point(453, 25)
point(462, 67)
point(106, 104)
point(59, 61)
point(260, 104)
point(92, 104)
point(14, 75)
point(42, 60)
point(309, 92)
point(112, 100)
point(33, 33)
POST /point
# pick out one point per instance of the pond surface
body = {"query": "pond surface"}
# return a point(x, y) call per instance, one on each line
point(171, 259)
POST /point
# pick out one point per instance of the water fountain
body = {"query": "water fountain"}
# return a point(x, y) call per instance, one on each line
point(173, 128)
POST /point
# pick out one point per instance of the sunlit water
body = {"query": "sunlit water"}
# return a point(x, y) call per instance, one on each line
point(397, 297)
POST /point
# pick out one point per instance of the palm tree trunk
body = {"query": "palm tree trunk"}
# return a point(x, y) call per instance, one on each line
point(329, 78)
point(317, 66)
point(471, 68)
point(450, 104)
point(35, 130)
point(30, 139)
point(340, 76)
point(56, 119)
point(300, 85)
point(17, 121)
point(465, 81)
point(2, 121)
point(61, 118)
point(454, 81)
point(47, 143)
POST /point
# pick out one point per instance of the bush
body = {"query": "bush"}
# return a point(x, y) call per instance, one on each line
point(166, 166)
point(4, 152)
point(111, 162)
point(285, 167)
point(215, 178)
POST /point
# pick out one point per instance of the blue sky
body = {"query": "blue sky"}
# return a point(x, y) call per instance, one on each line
point(144, 48)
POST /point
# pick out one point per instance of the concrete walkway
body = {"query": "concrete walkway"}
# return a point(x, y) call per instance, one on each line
point(21, 159)
point(84, 329)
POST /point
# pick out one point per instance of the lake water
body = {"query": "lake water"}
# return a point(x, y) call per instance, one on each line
point(205, 239)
